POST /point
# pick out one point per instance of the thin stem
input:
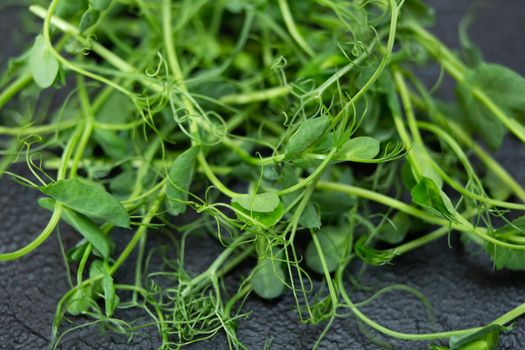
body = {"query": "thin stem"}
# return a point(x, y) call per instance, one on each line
point(466, 140)
point(462, 226)
point(150, 214)
point(67, 64)
point(464, 160)
point(292, 28)
point(256, 96)
point(328, 278)
point(458, 71)
point(214, 180)
point(13, 88)
point(50, 227)
point(384, 330)
point(87, 129)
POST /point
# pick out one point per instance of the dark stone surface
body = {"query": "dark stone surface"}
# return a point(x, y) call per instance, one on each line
point(462, 287)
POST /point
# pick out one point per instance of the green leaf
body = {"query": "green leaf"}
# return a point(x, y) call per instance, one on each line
point(43, 64)
point(310, 217)
point(89, 19)
point(427, 194)
point(360, 148)
point(88, 198)
point(504, 87)
point(100, 5)
point(505, 258)
point(485, 339)
point(122, 184)
point(113, 144)
point(262, 203)
point(370, 255)
point(268, 279)
point(69, 8)
point(417, 10)
point(97, 268)
point(407, 177)
point(117, 109)
point(471, 54)
point(333, 205)
point(179, 181)
point(79, 302)
point(111, 299)
point(497, 188)
point(309, 132)
point(332, 241)
point(265, 218)
point(394, 231)
point(75, 254)
point(420, 157)
point(83, 225)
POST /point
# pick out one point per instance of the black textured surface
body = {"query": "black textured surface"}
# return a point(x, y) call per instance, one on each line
point(462, 288)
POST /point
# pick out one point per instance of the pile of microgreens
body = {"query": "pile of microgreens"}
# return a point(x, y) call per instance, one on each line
point(254, 117)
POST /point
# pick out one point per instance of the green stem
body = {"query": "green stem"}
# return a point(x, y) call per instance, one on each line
point(394, 11)
point(328, 278)
point(87, 129)
point(414, 128)
point(38, 130)
point(462, 226)
point(173, 62)
point(458, 71)
point(82, 264)
point(67, 64)
point(211, 272)
point(50, 227)
point(312, 177)
point(13, 88)
point(213, 179)
point(138, 265)
point(465, 139)
point(256, 96)
point(425, 239)
point(384, 330)
point(57, 211)
point(153, 210)
point(464, 160)
point(292, 28)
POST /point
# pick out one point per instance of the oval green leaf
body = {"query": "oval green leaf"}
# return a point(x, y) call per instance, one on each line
point(428, 195)
point(360, 148)
point(83, 225)
point(331, 239)
point(89, 19)
point(88, 198)
point(100, 5)
point(111, 299)
point(267, 219)
point(44, 66)
point(268, 279)
point(262, 203)
point(179, 181)
point(308, 133)
point(79, 302)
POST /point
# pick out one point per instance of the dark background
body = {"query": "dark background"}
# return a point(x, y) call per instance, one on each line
point(462, 287)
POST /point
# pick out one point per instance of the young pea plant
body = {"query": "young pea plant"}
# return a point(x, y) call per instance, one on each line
point(252, 122)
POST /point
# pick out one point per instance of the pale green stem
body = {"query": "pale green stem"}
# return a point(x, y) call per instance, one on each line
point(292, 28)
